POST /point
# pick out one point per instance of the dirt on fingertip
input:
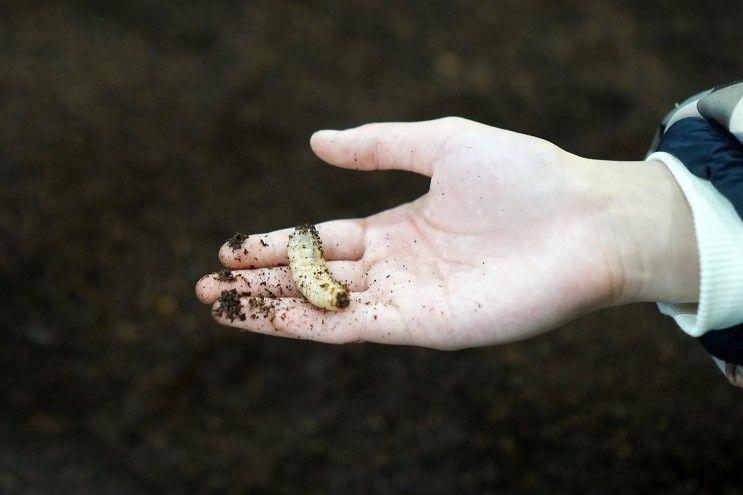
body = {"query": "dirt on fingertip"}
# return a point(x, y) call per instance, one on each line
point(235, 242)
point(229, 304)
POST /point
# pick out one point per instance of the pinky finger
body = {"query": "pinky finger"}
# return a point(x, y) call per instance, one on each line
point(293, 317)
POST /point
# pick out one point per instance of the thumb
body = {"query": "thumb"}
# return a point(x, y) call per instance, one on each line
point(411, 146)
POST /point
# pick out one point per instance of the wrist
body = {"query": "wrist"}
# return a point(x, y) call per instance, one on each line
point(645, 231)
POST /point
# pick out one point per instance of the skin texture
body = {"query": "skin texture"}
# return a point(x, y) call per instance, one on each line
point(515, 237)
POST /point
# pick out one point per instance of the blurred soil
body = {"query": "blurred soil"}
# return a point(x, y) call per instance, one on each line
point(136, 136)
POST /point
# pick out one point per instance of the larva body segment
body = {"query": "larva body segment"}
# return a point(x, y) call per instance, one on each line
point(310, 272)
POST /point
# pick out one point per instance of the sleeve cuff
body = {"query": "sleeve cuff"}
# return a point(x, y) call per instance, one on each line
point(719, 233)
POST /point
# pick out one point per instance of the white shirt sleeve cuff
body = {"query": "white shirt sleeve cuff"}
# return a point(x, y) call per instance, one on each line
point(719, 232)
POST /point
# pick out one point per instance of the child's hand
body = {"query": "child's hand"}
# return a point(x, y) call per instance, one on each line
point(514, 237)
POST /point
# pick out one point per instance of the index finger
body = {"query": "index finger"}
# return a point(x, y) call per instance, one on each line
point(341, 240)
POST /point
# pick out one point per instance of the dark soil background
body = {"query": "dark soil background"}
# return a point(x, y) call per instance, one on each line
point(136, 136)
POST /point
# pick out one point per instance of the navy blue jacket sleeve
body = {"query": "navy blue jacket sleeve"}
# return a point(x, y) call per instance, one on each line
point(704, 143)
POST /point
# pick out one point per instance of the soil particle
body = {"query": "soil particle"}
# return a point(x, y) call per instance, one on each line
point(225, 276)
point(236, 241)
point(229, 304)
point(262, 307)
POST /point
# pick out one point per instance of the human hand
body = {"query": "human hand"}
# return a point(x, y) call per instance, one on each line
point(514, 237)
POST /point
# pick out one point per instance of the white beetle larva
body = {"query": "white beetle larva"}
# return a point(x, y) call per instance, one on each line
point(310, 273)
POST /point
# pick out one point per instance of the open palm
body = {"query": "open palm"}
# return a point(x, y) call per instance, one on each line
point(502, 246)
